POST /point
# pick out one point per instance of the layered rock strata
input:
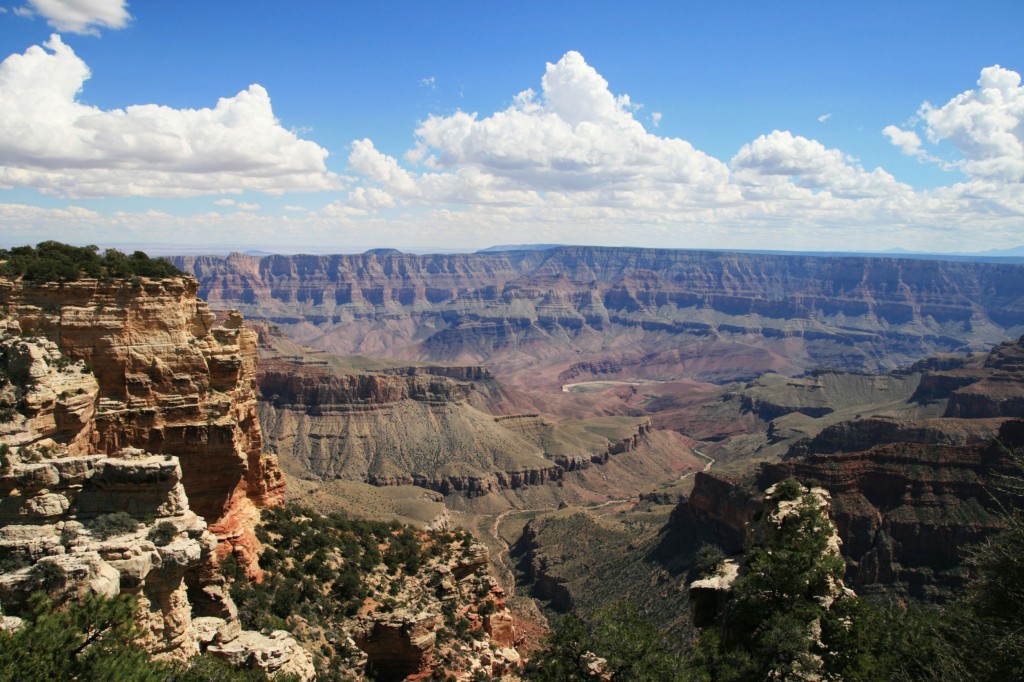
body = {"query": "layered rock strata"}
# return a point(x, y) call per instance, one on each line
point(84, 512)
point(418, 426)
point(633, 312)
point(906, 512)
point(171, 379)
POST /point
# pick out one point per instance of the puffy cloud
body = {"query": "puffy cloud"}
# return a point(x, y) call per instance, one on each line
point(370, 198)
point(52, 142)
point(656, 118)
point(984, 125)
point(907, 140)
point(574, 158)
point(574, 138)
point(810, 165)
point(81, 16)
point(824, 117)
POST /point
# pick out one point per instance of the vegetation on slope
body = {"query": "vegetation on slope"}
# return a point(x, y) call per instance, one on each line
point(96, 639)
point(579, 561)
point(778, 624)
point(322, 571)
point(52, 261)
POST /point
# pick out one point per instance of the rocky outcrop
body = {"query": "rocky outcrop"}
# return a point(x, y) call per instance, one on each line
point(81, 510)
point(404, 642)
point(652, 312)
point(172, 378)
point(104, 525)
point(906, 512)
point(708, 596)
point(43, 395)
point(536, 566)
point(319, 391)
point(276, 653)
point(862, 434)
point(400, 646)
point(718, 510)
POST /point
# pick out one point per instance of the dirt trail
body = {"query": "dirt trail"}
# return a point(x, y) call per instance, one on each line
point(504, 566)
point(710, 461)
point(504, 560)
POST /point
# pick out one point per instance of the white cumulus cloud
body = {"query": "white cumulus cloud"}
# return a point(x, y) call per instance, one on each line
point(574, 157)
point(907, 140)
point(574, 137)
point(81, 16)
point(810, 165)
point(52, 142)
point(985, 126)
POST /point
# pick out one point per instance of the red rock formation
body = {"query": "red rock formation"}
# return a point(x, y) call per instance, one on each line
point(170, 381)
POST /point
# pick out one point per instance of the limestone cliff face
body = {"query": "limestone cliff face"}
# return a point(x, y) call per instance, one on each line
point(652, 313)
point(171, 379)
point(80, 512)
point(51, 523)
point(44, 396)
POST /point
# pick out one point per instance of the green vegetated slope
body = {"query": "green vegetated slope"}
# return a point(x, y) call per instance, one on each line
point(580, 560)
point(337, 583)
point(403, 503)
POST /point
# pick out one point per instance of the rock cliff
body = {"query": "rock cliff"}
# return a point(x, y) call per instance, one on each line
point(906, 512)
point(172, 378)
point(119, 402)
point(634, 312)
point(909, 494)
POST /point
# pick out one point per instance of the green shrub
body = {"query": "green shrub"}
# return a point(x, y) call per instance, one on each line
point(162, 534)
point(52, 261)
point(111, 525)
point(788, 490)
point(709, 558)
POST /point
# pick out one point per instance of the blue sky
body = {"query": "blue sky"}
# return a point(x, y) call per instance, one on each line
point(791, 125)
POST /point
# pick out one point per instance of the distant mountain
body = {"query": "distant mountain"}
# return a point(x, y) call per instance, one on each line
point(519, 247)
point(1014, 251)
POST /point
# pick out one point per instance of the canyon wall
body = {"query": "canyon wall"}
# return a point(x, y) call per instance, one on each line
point(632, 312)
point(419, 426)
point(171, 379)
point(80, 517)
point(910, 495)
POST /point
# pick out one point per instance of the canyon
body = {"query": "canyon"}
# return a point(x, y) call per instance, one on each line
point(544, 317)
point(133, 463)
point(766, 361)
point(593, 415)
